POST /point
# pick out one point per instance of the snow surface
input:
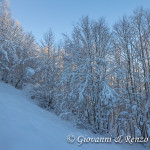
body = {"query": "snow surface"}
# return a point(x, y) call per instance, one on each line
point(25, 126)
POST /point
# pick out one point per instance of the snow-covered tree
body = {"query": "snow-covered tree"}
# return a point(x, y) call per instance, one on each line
point(17, 49)
point(85, 76)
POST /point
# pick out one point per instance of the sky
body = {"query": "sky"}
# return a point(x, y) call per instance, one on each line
point(38, 16)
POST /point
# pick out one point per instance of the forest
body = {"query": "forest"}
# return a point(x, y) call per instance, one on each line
point(98, 76)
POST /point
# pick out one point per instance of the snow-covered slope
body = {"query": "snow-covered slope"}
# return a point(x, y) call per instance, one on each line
point(25, 126)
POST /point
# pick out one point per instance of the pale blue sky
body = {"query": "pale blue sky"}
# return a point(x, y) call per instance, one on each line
point(37, 16)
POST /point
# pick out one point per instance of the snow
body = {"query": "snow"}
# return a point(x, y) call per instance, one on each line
point(29, 72)
point(4, 53)
point(25, 126)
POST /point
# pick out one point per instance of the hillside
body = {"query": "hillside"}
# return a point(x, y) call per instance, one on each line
point(25, 126)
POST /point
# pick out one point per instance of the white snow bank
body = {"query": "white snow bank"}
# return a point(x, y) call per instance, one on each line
point(25, 126)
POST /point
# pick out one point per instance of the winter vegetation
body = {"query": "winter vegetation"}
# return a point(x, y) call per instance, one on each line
point(99, 76)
